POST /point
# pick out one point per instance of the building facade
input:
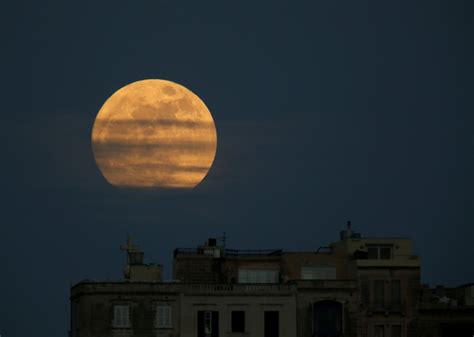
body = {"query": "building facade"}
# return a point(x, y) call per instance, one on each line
point(355, 287)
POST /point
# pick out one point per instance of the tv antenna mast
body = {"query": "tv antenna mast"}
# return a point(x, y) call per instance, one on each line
point(223, 239)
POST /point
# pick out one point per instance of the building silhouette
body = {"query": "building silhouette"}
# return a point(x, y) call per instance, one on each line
point(355, 287)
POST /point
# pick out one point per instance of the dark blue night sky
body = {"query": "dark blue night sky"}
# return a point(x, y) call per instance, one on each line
point(326, 111)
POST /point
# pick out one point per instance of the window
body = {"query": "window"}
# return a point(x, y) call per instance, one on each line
point(121, 316)
point(379, 252)
point(372, 252)
point(385, 253)
point(379, 331)
point(258, 276)
point(271, 324)
point(238, 321)
point(379, 294)
point(318, 273)
point(396, 331)
point(208, 322)
point(163, 316)
point(396, 294)
point(327, 318)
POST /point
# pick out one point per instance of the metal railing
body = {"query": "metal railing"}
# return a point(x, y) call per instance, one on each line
point(230, 252)
point(238, 288)
point(190, 288)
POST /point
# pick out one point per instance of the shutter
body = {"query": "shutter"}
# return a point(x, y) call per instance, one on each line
point(365, 291)
point(396, 294)
point(120, 316)
point(200, 323)
point(379, 293)
point(215, 324)
point(115, 320)
point(159, 321)
point(243, 276)
point(168, 316)
point(126, 317)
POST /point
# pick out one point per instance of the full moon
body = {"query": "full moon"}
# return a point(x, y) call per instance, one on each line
point(154, 134)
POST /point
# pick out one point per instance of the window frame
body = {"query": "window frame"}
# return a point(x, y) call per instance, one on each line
point(207, 318)
point(330, 272)
point(396, 293)
point(377, 326)
point(165, 320)
point(387, 328)
point(121, 318)
point(378, 303)
point(392, 326)
point(233, 324)
point(258, 276)
point(378, 248)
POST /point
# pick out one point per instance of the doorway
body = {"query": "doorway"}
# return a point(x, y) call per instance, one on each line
point(271, 324)
point(327, 319)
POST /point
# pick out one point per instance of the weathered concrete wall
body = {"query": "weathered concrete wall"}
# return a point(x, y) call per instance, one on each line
point(94, 311)
point(311, 292)
point(197, 268)
point(93, 304)
point(390, 313)
point(293, 263)
point(144, 273)
point(254, 307)
point(212, 285)
point(231, 266)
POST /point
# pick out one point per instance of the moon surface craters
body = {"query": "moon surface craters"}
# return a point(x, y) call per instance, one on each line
point(154, 133)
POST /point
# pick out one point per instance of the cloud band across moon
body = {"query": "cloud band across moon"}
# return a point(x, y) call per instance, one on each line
point(154, 134)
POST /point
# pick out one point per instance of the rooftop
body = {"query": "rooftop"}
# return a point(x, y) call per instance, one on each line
point(227, 251)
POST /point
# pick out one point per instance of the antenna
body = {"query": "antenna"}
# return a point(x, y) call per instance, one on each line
point(222, 238)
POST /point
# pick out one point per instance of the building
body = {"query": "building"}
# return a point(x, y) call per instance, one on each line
point(446, 311)
point(354, 287)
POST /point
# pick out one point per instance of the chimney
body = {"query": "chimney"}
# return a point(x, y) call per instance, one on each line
point(346, 234)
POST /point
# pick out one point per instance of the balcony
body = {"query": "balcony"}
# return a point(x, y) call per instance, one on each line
point(90, 287)
point(229, 252)
point(240, 289)
point(326, 284)
point(391, 308)
point(411, 261)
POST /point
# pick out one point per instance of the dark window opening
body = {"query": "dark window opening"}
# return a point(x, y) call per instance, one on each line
point(396, 294)
point(379, 331)
point(238, 321)
point(271, 324)
point(379, 294)
point(373, 253)
point(385, 253)
point(208, 323)
point(327, 319)
point(377, 252)
point(458, 329)
point(396, 331)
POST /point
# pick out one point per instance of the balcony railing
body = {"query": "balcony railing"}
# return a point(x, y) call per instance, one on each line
point(230, 252)
point(395, 307)
point(187, 288)
point(326, 284)
point(253, 252)
point(238, 288)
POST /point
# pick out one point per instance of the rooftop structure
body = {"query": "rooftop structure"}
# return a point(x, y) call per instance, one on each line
point(354, 287)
